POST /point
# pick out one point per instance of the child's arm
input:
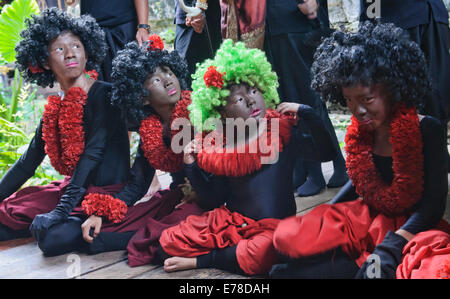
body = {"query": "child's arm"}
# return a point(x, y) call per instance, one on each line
point(139, 182)
point(312, 137)
point(431, 206)
point(25, 167)
point(209, 197)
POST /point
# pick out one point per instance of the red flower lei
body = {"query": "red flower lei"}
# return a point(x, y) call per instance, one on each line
point(104, 205)
point(242, 162)
point(407, 185)
point(62, 129)
point(151, 131)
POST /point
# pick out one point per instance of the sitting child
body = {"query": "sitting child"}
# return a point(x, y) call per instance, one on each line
point(395, 160)
point(246, 184)
point(149, 85)
point(81, 133)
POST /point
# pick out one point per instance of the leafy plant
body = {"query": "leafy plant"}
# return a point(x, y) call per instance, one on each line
point(12, 22)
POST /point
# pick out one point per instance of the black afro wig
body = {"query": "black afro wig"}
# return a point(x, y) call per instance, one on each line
point(131, 67)
point(376, 54)
point(32, 50)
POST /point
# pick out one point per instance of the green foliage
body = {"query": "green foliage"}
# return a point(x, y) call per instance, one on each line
point(20, 111)
point(12, 21)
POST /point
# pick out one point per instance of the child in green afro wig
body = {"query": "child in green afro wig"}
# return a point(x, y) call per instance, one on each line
point(233, 64)
point(244, 192)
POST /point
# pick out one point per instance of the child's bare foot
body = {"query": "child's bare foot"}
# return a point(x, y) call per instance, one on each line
point(180, 263)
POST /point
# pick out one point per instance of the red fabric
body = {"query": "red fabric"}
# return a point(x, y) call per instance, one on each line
point(220, 228)
point(353, 226)
point(144, 244)
point(426, 256)
point(18, 211)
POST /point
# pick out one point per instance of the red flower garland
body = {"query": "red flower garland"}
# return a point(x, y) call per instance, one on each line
point(213, 78)
point(62, 129)
point(155, 42)
point(407, 185)
point(91, 74)
point(104, 205)
point(242, 162)
point(151, 131)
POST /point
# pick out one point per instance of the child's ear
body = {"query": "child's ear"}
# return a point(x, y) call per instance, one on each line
point(46, 66)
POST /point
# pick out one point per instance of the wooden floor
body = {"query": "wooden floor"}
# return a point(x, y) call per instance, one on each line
point(23, 259)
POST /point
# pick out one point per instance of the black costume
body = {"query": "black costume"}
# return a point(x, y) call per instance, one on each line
point(104, 162)
point(426, 214)
point(192, 46)
point(118, 20)
point(262, 194)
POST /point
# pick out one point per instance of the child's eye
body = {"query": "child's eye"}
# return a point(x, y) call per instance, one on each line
point(238, 100)
point(76, 46)
point(156, 80)
point(368, 99)
point(254, 91)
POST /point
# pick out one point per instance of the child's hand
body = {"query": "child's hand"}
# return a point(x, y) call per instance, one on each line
point(288, 108)
point(94, 222)
point(189, 152)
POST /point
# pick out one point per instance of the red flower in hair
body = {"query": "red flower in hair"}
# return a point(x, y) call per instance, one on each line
point(213, 78)
point(35, 69)
point(155, 42)
point(91, 74)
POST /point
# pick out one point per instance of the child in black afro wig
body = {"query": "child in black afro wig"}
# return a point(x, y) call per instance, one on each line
point(131, 67)
point(33, 53)
point(395, 159)
point(377, 53)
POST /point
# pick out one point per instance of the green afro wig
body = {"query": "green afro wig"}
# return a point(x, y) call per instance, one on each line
point(236, 65)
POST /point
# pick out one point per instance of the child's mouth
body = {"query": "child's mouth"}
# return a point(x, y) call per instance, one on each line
point(172, 92)
point(255, 112)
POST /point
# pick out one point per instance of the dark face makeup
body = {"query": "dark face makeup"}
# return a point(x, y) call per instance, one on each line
point(244, 102)
point(370, 105)
point(163, 88)
point(67, 58)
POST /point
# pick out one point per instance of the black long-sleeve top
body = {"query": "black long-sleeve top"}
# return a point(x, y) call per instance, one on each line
point(104, 161)
point(431, 207)
point(142, 172)
point(266, 193)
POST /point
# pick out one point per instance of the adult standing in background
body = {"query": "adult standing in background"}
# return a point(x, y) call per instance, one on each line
point(197, 38)
point(293, 31)
point(122, 21)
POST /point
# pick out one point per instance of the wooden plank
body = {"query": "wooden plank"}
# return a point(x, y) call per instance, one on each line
point(210, 273)
point(120, 270)
point(27, 261)
point(306, 203)
point(14, 243)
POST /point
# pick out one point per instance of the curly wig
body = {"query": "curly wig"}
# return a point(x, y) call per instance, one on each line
point(131, 67)
point(376, 54)
point(32, 50)
point(238, 65)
